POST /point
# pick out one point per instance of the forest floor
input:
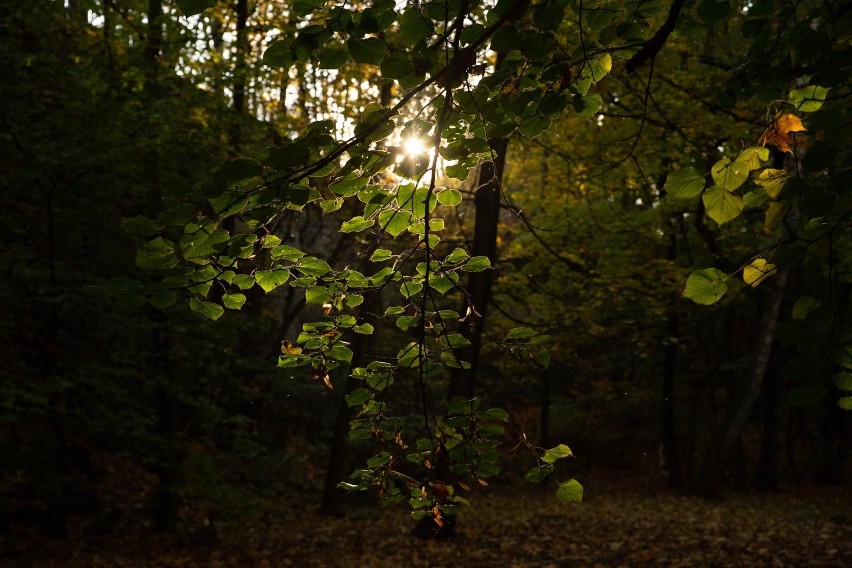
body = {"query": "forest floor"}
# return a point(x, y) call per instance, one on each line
point(620, 523)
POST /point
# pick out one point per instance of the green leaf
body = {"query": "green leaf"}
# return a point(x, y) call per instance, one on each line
point(598, 68)
point(408, 289)
point(271, 279)
point(369, 51)
point(332, 58)
point(140, 226)
point(543, 358)
point(317, 295)
point(358, 397)
point(340, 352)
point(729, 175)
point(458, 255)
point(538, 474)
point(804, 306)
point(363, 329)
point(379, 460)
point(808, 99)
point(208, 309)
point(394, 222)
point(706, 286)
point(557, 453)
point(753, 157)
point(278, 54)
point(286, 252)
point(843, 381)
point(721, 205)
point(356, 224)
point(521, 333)
point(397, 66)
point(845, 403)
point(414, 27)
point(157, 254)
point(477, 264)
point(443, 283)
point(758, 271)
point(775, 213)
point(685, 183)
point(587, 105)
point(456, 340)
point(449, 197)
point(193, 7)
point(233, 301)
point(570, 492)
point(202, 243)
point(380, 255)
point(162, 299)
point(235, 170)
point(312, 266)
point(243, 281)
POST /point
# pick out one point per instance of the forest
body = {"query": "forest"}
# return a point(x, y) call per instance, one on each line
point(425, 282)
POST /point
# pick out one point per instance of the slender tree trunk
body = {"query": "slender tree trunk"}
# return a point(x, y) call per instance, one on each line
point(240, 49)
point(544, 407)
point(708, 480)
point(766, 474)
point(167, 499)
point(671, 455)
point(332, 497)
point(487, 206)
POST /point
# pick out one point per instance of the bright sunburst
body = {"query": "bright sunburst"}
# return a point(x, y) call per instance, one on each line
point(414, 146)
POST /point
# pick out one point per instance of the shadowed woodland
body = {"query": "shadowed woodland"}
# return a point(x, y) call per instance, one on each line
point(427, 283)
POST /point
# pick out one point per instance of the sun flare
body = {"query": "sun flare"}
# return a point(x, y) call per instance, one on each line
point(414, 146)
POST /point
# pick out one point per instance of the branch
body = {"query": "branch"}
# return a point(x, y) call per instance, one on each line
point(653, 46)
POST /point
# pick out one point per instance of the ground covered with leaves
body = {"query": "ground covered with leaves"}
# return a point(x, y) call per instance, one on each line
point(622, 522)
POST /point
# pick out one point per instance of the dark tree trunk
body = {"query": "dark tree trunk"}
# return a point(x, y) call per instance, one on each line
point(544, 407)
point(671, 456)
point(332, 497)
point(487, 206)
point(462, 381)
point(766, 474)
point(708, 478)
point(167, 498)
point(240, 49)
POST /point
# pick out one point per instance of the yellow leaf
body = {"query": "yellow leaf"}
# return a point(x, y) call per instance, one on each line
point(772, 181)
point(775, 213)
point(758, 271)
point(289, 349)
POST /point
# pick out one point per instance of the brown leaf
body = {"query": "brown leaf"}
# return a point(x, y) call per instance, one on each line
point(778, 134)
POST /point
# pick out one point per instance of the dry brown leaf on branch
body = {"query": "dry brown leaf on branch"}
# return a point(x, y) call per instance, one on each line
point(778, 133)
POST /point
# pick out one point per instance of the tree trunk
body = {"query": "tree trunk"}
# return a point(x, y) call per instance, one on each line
point(239, 102)
point(544, 407)
point(766, 474)
point(332, 497)
point(671, 455)
point(487, 207)
point(166, 467)
point(462, 381)
point(708, 479)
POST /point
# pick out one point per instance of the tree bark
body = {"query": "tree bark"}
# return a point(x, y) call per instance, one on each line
point(332, 497)
point(487, 208)
point(239, 85)
point(708, 479)
point(671, 455)
point(166, 468)
point(766, 474)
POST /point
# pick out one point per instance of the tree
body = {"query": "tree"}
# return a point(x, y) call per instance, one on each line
point(436, 55)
